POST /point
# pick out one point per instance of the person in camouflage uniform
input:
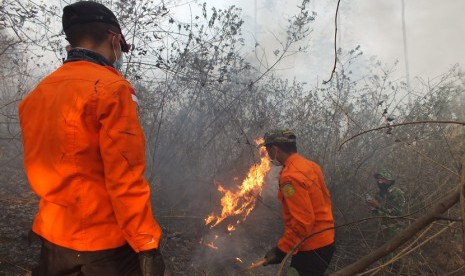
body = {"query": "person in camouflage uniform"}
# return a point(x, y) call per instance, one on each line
point(389, 201)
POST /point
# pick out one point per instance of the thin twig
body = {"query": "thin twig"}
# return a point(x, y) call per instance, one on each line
point(15, 265)
point(251, 267)
point(455, 271)
point(401, 124)
point(295, 247)
point(405, 252)
point(401, 238)
point(426, 157)
point(376, 269)
point(462, 207)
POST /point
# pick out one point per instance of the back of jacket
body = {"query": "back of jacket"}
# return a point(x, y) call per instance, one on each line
point(84, 157)
point(306, 205)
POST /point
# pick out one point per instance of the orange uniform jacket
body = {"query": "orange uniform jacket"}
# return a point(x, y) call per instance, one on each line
point(84, 157)
point(306, 205)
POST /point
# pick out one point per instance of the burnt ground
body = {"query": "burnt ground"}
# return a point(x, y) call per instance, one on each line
point(17, 256)
point(184, 252)
point(17, 208)
point(181, 244)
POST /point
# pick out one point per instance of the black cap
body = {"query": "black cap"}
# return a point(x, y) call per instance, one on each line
point(83, 12)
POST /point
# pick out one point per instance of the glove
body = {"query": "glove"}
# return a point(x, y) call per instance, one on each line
point(274, 256)
point(151, 263)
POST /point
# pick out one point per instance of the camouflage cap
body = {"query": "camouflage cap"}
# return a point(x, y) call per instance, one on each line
point(384, 173)
point(279, 136)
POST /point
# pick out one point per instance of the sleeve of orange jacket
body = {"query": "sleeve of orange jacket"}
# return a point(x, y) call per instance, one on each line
point(122, 148)
point(299, 217)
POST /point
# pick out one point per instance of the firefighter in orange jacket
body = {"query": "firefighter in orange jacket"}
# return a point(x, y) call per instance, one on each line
point(84, 157)
point(306, 207)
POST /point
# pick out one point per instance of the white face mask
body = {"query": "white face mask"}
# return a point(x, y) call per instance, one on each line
point(275, 163)
point(118, 64)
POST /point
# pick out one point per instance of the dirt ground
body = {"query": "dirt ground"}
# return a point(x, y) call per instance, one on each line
point(185, 236)
point(17, 208)
point(181, 245)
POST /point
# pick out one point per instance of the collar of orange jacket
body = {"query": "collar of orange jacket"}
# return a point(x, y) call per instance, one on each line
point(82, 54)
point(291, 158)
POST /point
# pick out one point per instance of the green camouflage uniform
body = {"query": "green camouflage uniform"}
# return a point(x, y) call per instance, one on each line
point(391, 203)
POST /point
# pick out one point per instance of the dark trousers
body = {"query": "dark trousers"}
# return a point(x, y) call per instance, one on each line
point(57, 260)
point(313, 262)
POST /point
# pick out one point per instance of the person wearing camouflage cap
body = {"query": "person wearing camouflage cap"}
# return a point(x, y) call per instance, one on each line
point(279, 136)
point(306, 207)
point(389, 201)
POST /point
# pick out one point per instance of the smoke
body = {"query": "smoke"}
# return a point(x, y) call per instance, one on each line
point(237, 250)
point(433, 45)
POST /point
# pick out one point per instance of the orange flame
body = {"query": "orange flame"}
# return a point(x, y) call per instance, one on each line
point(242, 200)
point(210, 244)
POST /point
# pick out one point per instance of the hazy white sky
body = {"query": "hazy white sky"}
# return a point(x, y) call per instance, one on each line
point(435, 32)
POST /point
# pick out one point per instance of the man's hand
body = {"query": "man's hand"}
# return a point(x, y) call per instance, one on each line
point(151, 263)
point(373, 203)
point(274, 256)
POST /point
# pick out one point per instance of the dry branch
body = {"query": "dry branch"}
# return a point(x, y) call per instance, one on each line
point(251, 267)
point(15, 265)
point(462, 205)
point(297, 246)
point(401, 124)
point(408, 250)
point(257, 264)
point(436, 210)
point(335, 44)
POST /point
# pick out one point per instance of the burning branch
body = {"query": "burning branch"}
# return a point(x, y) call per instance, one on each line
point(251, 267)
point(257, 264)
point(210, 244)
point(242, 200)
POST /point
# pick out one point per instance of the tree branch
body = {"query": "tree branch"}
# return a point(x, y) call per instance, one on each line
point(447, 202)
point(335, 44)
point(401, 124)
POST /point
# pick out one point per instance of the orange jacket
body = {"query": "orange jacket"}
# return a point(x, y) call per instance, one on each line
point(306, 205)
point(84, 157)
